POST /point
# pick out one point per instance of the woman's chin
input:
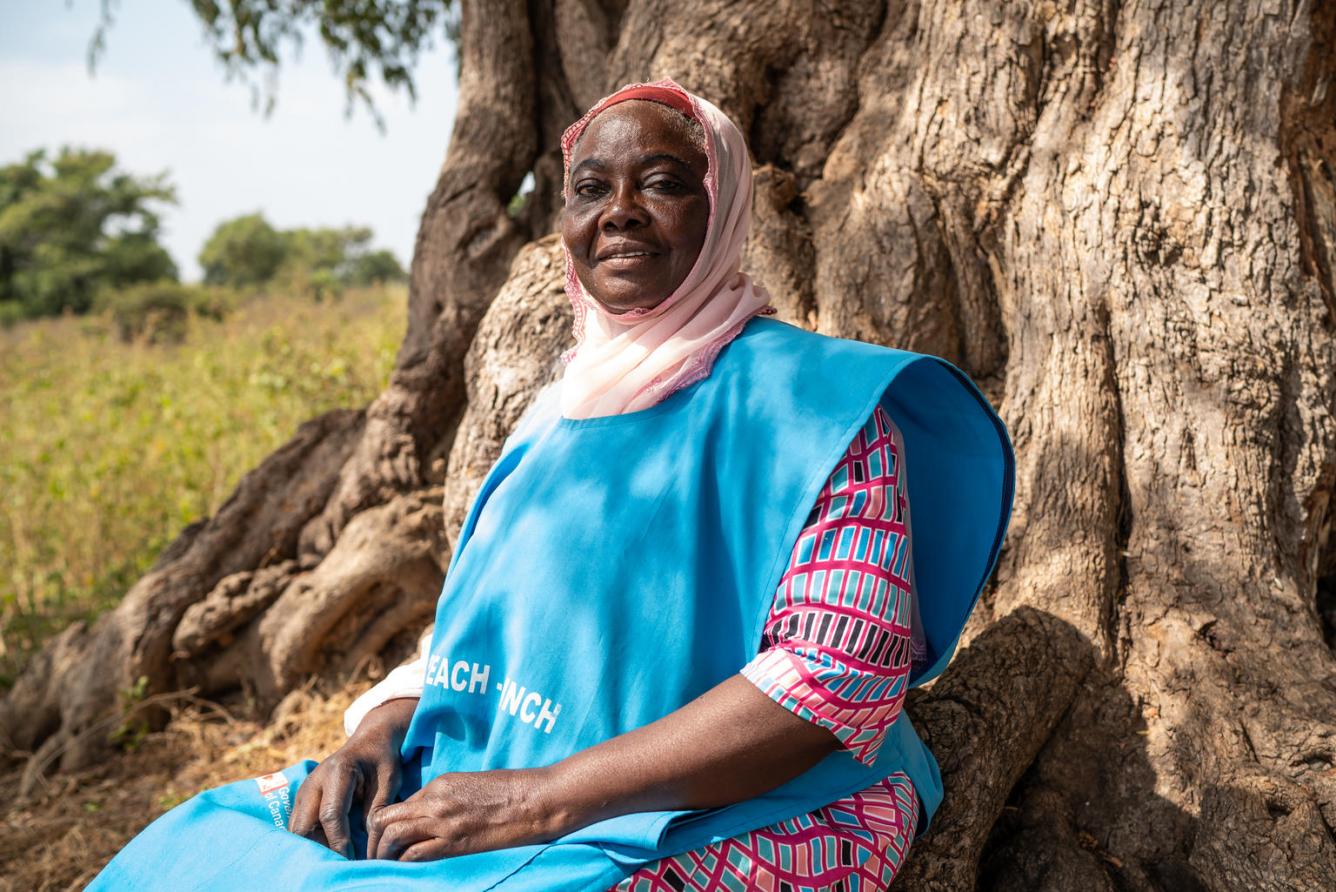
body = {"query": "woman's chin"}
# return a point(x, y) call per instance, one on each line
point(618, 304)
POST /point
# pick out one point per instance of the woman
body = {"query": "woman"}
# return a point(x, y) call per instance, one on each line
point(582, 721)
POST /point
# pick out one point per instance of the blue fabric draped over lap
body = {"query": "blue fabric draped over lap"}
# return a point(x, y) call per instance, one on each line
point(612, 569)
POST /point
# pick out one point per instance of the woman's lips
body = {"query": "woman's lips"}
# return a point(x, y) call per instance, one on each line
point(626, 261)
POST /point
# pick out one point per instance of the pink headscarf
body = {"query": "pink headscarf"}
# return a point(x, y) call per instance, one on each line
point(630, 361)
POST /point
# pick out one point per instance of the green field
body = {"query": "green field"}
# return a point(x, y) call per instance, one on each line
point(108, 449)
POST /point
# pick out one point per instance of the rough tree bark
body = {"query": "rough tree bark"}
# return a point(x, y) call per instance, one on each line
point(1120, 218)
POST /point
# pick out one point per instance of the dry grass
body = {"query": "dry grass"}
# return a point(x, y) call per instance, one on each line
point(67, 831)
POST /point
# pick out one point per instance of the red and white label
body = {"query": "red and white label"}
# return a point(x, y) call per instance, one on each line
point(271, 782)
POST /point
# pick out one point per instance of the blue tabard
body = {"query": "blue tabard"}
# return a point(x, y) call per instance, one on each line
point(612, 569)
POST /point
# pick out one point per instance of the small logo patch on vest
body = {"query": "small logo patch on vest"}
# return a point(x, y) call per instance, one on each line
point(274, 789)
point(271, 782)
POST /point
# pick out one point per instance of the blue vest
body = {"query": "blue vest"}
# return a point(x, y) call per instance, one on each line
point(609, 571)
point(612, 569)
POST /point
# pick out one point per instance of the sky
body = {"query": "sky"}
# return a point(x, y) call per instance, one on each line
point(160, 102)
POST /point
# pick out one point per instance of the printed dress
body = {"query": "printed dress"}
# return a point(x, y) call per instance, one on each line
point(839, 645)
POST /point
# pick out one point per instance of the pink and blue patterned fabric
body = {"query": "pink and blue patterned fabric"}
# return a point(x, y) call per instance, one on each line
point(837, 652)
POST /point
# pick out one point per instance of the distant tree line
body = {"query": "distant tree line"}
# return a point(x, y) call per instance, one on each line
point(79, 234)
point(247, 252)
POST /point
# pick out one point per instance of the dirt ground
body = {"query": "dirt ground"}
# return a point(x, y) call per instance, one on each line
point(62, 834)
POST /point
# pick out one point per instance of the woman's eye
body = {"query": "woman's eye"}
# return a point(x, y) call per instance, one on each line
point(666, 185)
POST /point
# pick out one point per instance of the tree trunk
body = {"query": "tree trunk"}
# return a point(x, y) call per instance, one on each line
point(1120, 219)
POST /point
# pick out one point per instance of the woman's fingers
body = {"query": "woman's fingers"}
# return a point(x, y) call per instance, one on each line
point(379, 820)
point(334, 807)
point(402, 834)
point(306, 806)
point(427, 850)
point(380, 788)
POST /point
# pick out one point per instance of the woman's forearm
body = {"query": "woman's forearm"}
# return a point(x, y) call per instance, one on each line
point(728, 745)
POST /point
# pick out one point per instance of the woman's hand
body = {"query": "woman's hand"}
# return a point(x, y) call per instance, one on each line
point(728, 745)
point(366, 768)
point(463, 812)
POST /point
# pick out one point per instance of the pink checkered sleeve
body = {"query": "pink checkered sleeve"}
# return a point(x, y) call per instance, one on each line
point(840, 640)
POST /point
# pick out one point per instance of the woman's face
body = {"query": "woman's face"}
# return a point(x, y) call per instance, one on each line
point(638, 210)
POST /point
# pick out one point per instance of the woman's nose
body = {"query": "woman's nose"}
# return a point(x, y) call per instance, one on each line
point(623, 209)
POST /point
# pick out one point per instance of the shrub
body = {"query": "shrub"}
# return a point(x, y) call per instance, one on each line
point(157, 311)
